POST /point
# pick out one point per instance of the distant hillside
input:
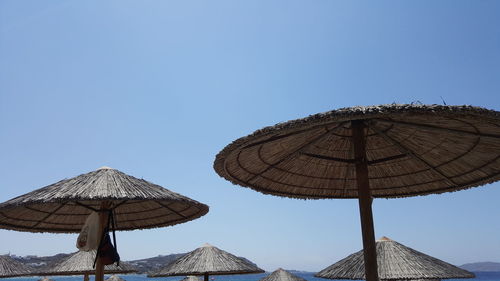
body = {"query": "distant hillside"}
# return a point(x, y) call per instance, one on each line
point(154, 263)
point(143, 265)
point(40, 262)
point(482, 266)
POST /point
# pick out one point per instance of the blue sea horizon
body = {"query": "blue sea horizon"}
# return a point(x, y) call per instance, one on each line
point(309, 276)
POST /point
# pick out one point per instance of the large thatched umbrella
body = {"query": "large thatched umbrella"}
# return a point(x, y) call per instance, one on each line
point(365, 152)
point(82, 263)
point(282, 275)
point(207, 260)
point(63, 207)
point(9, 267)
point(395, 262)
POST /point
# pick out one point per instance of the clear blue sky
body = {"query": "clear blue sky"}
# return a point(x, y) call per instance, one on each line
point(157, 88)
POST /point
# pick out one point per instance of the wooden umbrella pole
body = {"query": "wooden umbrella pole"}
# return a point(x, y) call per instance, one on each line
point(365, 200)
point(205, 277)
point(103, 221)
point(86, 277)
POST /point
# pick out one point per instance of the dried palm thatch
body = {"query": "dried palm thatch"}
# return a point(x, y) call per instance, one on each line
point(82, 263)
point(115, 278)
point(282, 275)
point(207, 260)
point(410, 150)
point(191, 278)
point(9, 267)
point(63, 207)
point(395, 262)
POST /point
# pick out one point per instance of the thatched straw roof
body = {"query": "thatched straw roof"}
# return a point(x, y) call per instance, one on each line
point(395, 262)
point(64, 206)
point(411, 150)
point(115, 278)
point(81, 263)
point(9, 267)
point(191, 278)
point(282, 275)
point(207, 260)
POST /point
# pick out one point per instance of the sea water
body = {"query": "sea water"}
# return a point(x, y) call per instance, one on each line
point(309, 276)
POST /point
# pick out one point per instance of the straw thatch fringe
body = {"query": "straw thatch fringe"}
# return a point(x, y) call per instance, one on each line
point(207, 260)
point(282, 275)
point(411, 150)
point(9, 267)
point(81, 263)
point(64, 206)
point(395, 262)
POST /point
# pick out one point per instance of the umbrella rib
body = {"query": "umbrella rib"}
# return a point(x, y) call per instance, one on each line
point(119, 204)
point(410, 153)
point(325, 157)
point(48, 215)
point(291, 153)
point(286, 135)
point(352, 161)
point(86, 206)
point(436, 128)
point(172, 210)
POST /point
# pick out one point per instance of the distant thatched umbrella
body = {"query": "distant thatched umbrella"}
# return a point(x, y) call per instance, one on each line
point(82, 263)
point(282, 275)
point(191, 278)
point(207, 260)
point(395, 262)
point(115, 278)
point(364, 152)
point(63, 207)
point(9, 267)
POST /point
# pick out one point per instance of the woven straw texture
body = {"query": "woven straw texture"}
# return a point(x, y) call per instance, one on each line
point(282, 275)
point(9, 267)
point(81, 263)
point(63, 206)
point(207, 260)
point(115, 278)
point(395, 262)
point(411, 150)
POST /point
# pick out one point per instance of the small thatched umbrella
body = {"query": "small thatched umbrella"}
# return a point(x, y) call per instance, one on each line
point(9, 267)
point(63, 207)
point(115, 278)
point(282, 275)
point(45, 279)
point(207, 260)
point(191, 278)
point(395, 262)
point(369, 152)
point(82, 263)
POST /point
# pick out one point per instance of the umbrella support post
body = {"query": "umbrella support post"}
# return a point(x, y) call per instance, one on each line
point(103, 221)
point(365, 200)
point(85, 277)
point(205, 277)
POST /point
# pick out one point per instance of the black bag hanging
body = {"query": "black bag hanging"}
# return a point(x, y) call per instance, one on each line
point(106, 251)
